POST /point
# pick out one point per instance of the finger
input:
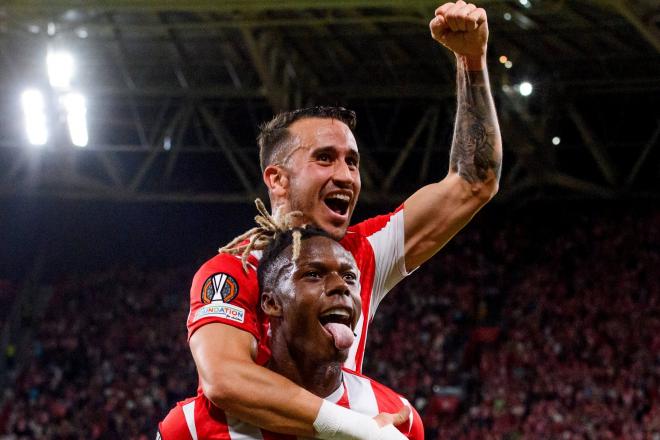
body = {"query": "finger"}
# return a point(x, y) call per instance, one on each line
point(456, 16)
point(479, 16)
point(402, 416)
point(438, 27)
point(442, 10)
point(464, 21)
point(452, 16)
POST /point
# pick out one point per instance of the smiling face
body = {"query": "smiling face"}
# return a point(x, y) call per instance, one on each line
point(315, 304)
point(323, 176)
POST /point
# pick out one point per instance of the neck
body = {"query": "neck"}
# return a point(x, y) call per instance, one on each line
point(318, 376)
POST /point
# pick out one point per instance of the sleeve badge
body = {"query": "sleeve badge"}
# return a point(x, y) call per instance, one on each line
point(219, 287)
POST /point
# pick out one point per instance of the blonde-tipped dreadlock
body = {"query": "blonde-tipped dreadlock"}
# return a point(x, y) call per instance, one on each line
point(259, 237)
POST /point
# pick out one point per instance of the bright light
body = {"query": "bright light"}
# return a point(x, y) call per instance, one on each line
point(167, 143)
point(82, 33)
point(525, 3)
point(525, 88)
point(35, 116)
point(507, 16)
point(556, 140)
point(508, 64)
point(503, 59)
point(60, 69)
point(76, 118)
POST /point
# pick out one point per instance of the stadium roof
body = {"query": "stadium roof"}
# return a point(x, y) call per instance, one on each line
point(175, 90)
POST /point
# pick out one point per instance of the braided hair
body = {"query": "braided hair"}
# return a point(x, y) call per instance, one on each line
point(259, 237)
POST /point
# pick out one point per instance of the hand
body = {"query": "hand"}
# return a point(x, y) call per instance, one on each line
point(397, 419)
point(462, 28)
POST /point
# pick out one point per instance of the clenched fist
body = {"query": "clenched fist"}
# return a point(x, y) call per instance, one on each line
point(462, 28)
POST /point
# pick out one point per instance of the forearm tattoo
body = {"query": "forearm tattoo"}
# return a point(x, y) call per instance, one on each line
point(476, 147)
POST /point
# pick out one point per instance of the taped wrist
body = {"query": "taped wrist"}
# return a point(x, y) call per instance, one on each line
point(334, 422)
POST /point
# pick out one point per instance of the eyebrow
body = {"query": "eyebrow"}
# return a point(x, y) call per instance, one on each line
point(332, 149)
point(343, 266)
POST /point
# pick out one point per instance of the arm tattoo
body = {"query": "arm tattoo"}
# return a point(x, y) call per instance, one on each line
point(477, 145)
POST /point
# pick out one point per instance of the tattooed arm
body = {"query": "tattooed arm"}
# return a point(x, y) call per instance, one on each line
point(436, 212)
point(476, 152)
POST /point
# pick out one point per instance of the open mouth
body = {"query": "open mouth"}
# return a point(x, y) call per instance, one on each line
point(337, 316)
point(338, 323)
point(338, 203)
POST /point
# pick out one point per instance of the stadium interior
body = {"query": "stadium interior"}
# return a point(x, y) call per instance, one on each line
point(128, 156)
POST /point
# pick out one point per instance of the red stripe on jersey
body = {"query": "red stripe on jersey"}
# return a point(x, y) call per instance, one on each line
point(173, 426)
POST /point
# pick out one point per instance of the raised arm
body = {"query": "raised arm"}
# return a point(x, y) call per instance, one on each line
point(436, 212)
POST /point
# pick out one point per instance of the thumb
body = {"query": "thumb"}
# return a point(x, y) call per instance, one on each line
point(402, 416)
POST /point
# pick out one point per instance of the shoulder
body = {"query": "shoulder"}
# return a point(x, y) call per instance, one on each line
point(374, 224)
point(226, 269)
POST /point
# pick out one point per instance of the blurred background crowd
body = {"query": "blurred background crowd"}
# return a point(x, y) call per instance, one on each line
point(546, 327)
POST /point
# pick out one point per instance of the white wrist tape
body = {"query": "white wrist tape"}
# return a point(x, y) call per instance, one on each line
point(334, 422)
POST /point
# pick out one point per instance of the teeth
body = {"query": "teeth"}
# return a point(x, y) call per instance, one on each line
point(343, 197)
point(340, 312)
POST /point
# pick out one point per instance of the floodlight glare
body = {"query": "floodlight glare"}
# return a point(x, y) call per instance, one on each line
point(525, 88)
point(35, 116)
point(60, 69)
point(556, 140)
point(76, 118)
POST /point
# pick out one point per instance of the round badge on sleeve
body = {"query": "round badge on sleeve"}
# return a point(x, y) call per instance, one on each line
point(219, 287)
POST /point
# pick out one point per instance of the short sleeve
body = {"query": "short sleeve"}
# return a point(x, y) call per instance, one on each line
point(385, 234)
point(222, 291)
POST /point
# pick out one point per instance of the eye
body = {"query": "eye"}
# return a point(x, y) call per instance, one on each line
point(352, 162)
point(312, 274)
point(350, 277)
point(324, 157)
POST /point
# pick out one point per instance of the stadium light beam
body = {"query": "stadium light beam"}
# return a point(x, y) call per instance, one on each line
point(60, 66)
point(76, 118)
point(34, 110)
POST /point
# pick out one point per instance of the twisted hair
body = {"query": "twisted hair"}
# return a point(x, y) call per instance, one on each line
point(259, 237)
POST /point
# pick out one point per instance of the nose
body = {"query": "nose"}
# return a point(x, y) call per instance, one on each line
point(343, 176)
point(336, 285)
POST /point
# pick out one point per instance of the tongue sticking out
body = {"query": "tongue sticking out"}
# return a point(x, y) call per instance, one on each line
point(342, 335)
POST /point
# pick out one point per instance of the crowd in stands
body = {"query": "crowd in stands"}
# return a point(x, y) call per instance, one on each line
point(538, 329)
point(109, 359)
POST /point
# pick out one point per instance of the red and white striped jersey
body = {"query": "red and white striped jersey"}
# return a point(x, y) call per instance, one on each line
point(198, 419)
point(223, 292)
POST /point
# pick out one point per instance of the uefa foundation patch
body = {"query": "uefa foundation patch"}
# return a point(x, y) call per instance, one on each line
point(221, 310)
point(219, 287)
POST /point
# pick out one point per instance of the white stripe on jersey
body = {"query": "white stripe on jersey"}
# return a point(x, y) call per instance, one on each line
point(189, 414)
point(351, 360)
point(361, 396)
point(388, 247)
point(239, 430)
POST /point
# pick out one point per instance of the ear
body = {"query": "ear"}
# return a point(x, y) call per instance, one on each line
point(270, 303)
point(277, 180)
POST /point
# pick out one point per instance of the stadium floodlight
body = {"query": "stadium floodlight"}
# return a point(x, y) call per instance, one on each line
point(34, 110)
point(76, 118)
point(60, 69)
point(525, 88)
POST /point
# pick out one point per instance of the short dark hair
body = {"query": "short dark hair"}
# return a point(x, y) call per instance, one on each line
point(281, 242)
point(274, 133)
